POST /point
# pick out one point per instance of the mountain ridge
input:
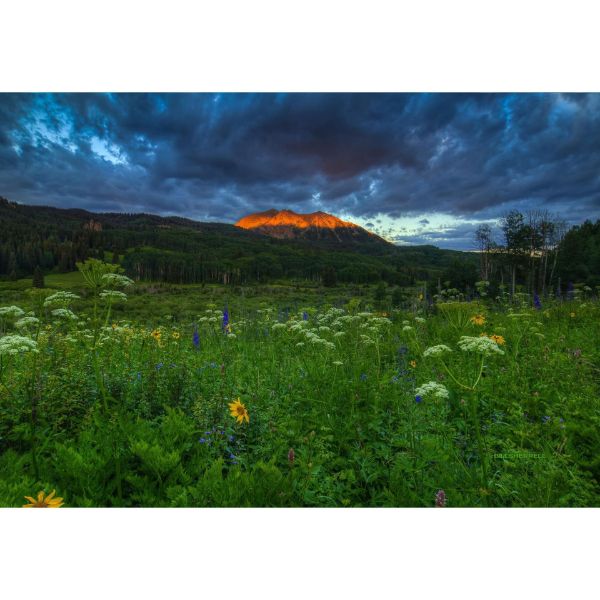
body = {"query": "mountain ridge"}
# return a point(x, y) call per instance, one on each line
point(315, 226)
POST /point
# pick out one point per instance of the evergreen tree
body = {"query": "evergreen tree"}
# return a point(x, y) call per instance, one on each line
point(329, 277)
point(380, 294)
point(38, 278)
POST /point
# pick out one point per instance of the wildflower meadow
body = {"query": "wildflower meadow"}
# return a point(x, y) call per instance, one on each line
point(491, 402)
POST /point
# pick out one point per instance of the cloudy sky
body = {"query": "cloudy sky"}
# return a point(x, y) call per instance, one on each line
point(416, 168)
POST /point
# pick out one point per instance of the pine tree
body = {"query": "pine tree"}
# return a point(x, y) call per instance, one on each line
point(329, 277)
point(38, 278)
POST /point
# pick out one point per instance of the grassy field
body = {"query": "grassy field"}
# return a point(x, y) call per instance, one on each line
point(294, 396)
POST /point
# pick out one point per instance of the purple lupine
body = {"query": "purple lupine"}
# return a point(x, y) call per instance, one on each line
point(440, 499)
point(537, 302)
point(225, 324)
point(196, 338)
point(418, 399)
point(305, 316)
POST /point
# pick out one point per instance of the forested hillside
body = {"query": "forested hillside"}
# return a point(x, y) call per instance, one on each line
point(180, 250)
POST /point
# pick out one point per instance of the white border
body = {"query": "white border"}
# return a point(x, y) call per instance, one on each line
point(313, 45)
point(308, 45)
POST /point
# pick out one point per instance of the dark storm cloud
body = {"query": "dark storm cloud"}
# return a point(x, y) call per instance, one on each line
point(212, 156)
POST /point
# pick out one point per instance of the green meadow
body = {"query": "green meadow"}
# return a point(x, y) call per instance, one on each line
point(114, 393)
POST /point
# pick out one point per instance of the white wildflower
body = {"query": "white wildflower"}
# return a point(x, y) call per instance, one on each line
point(60, 299)
point(432, 388)
point(436, 350)
point(407, 328)
point(113, 295)
point(481, 345)
point(11, 312)
point(16, 344)
point(26, 322)
point(116, 280)
point(64, 313)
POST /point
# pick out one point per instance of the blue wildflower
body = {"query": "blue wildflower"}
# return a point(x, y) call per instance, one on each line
point(363, 376)
point(231, 438)
point(305, 316)
point(418, 399)
point(196, 338)
point(537, 302)
point(402, 350)
point(225, 324)
point(202, 440)
point(545, 419)
point(159, 366)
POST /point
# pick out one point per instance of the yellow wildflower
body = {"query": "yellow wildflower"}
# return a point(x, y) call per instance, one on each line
point(44, 502)
point(156, 335)
point(413, 363)
point(478, 320)
point(239, 412)
point(176, 335)
point(572, 315)
point(498, 339)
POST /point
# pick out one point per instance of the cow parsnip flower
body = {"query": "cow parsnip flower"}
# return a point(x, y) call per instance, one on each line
point(16, 344)
point(239, 412)
point(434, 390)
point(11, 312)
point(26, 322)
point(116, 280)
point(438, 350)
point(113, 296)
point(480, 345)
point(60, 299)
point(64, 313)
point(44, 501)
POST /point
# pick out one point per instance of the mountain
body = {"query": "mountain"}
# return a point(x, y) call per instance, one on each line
point(317, 226)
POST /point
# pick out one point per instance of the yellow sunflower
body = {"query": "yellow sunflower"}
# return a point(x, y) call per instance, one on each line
point(478, 320)
point(44, 502)
point(156, 335)
point(176, 335)
point(413, 363)
point(498, 339)
point(239, 412)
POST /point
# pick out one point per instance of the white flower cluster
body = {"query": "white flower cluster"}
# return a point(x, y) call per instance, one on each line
point(64, 313)
point(436, 350)
point(481, 345)
point(16, 344)
point(433, 389)
point(420, 320)
point(26, 322)
point(11, 312)
point(60, 299)
point(116, 280)
point(113, 295)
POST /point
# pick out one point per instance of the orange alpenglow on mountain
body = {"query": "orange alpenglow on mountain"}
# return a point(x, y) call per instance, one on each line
point(289, 218)
point(287, 224)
